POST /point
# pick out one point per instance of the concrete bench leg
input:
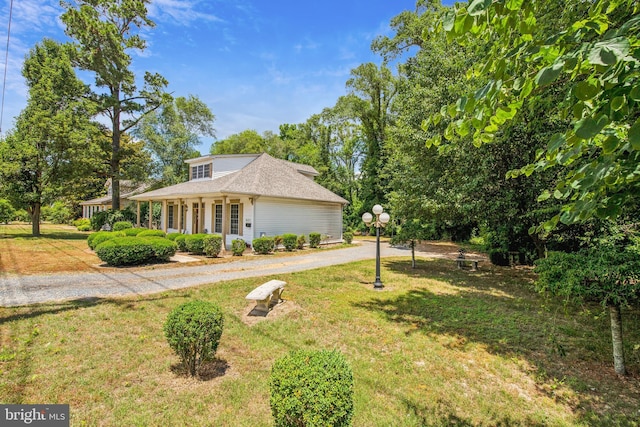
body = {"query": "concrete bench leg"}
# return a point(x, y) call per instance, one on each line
point(262, 306)
point(475, 266)
point(276, 297)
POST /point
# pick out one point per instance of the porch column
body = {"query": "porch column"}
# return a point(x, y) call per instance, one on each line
point(200, 216)
point(224, 224)
point(180, 215)
point(137, 213)
point(150, 214)
point(165, 216)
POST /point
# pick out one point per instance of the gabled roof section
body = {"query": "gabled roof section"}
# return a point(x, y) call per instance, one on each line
point(264, 176)
point(127, 190)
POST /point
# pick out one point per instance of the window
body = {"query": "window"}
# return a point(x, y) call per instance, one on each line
point(217, 225)
point(170, 217)
point(201, 171)
point(235, 219)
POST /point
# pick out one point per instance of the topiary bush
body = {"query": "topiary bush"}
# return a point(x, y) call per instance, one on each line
point(133, 231)
point(289, 241)
point(152, 233)
point(181, 242)
point(311, 388)
point(121, 225)
point(130, 250)
point(302, 239)
point(82, 224)
point(263, 245)
point(314, 239)
point(125, 251)
point(94, 239)
point(172, 236)
point(193, 331)
point(238, 247)
point(163, 249)
point(195, 243)
point(212, 244)
point(347, 237)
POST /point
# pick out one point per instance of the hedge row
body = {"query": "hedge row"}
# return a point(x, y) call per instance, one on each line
point(125, 250)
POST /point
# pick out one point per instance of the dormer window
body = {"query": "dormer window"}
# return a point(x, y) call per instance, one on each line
point(201, 171)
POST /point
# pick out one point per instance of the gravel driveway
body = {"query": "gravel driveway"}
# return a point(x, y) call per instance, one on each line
point(23, 290)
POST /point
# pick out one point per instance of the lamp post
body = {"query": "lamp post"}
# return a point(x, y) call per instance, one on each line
point(381, 220)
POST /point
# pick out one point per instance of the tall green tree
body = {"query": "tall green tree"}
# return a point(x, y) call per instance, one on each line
point(592, 59)
point(246, 142)
point(371, 92)
point(52, 143)
point(172, 133)
point(104, 32)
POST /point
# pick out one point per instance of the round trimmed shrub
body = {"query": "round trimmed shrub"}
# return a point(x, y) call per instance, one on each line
point(347, 237)
point(195, 243)
point(212, 244)
point(289, 241)
point(94, 239)
point(172, 236)
point(311, 388)
point(133, 231)
point(314, 239)
point(263, 245)
point(193, 331)
point(302, 239)
point(163, 249)
point(84, 223)
point(152, 233)
point(121, 225)
point(181, 242)
point(238, 247)
point(125, 251)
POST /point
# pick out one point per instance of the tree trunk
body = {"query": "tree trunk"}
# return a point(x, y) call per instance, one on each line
point(616, 336)
point(115, 153)
point(541, 247)
point(35, 220)
point(413, 254)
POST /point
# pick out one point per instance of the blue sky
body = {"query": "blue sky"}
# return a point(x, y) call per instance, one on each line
point(255, 63)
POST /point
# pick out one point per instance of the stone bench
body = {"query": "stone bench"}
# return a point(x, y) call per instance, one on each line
point(474, 263)
point(266, 295)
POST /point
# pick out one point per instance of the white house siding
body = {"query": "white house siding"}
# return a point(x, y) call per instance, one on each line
point(226, 165)
point(279, 216)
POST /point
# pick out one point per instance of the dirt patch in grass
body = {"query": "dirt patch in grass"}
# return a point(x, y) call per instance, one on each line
point(283, 309)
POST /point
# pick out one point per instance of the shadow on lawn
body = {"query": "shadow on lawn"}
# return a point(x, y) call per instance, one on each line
point(496, 307)
point(37, 310)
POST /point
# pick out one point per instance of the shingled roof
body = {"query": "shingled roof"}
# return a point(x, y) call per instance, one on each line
point(264, 176)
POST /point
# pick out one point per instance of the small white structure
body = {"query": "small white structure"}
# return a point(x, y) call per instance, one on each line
point(247, 196)
point(127, 189)
point(266, 295)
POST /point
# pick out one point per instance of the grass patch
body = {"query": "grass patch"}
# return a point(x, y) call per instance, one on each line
point(437, 346)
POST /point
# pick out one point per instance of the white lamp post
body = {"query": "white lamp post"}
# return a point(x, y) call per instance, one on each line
point(382, 218)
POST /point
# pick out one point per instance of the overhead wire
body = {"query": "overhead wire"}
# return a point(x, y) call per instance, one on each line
point(6, 65)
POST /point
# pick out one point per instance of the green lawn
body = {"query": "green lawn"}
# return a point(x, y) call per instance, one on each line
point(437, 346)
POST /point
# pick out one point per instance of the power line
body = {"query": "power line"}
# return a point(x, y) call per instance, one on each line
point(6, 65)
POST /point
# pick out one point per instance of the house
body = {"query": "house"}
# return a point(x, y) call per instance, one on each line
point(127, 189)
point(247, 196)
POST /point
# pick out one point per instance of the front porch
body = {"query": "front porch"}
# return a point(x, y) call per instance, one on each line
point(231, 216)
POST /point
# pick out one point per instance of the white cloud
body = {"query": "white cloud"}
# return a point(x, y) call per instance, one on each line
point(181, 12)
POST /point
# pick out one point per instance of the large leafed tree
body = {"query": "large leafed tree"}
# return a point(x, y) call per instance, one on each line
point(52, 144)
point(172, 133)
point(105, 32)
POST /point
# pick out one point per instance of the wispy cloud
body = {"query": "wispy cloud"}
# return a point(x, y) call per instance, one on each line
point(181, 12)
point(307, 44)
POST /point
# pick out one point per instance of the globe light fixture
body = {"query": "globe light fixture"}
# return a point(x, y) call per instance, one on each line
point(381, 220)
